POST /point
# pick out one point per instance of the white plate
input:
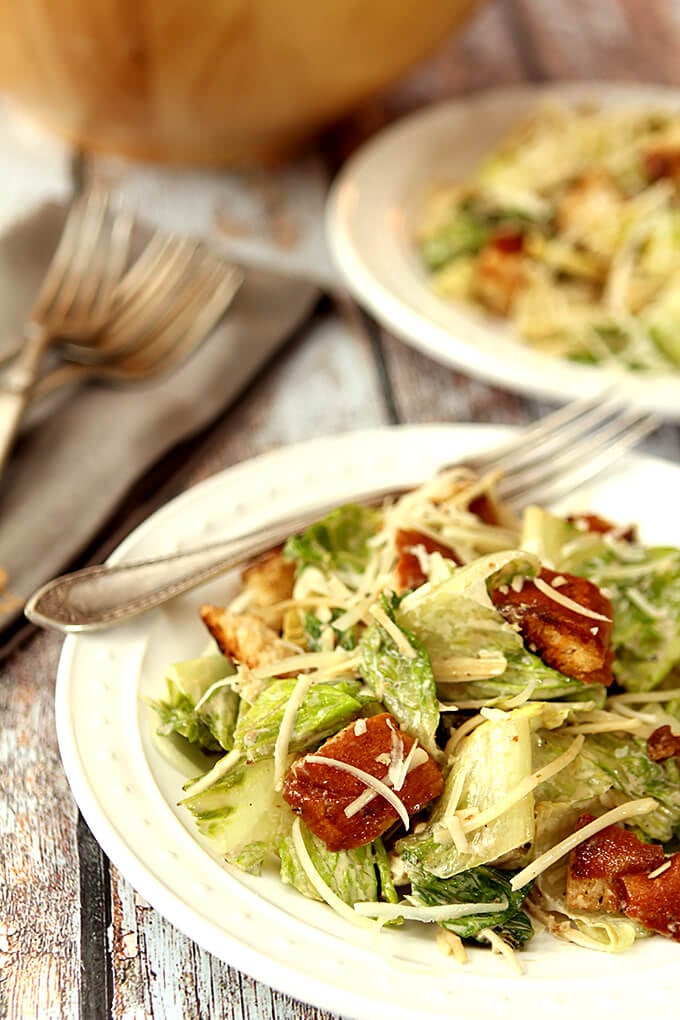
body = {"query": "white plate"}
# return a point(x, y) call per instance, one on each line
point(128, 792)
point(370, 215)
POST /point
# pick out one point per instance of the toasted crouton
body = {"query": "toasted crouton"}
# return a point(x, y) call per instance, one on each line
point(575, 644)
point(244, 637)
point(654, 899)
point(269, 581)
point(408, 572)
point(596, 865)
point(321, 793)
point(498, 277)
point(663, 744)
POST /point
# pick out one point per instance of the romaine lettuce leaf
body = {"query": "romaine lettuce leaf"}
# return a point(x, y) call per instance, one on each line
point(188, 683)
point(353, 875)
point(579, 781)
point(624, 759)
point(490, 763)
point(338, 543)
point(405, 686)
point(242, 814)
point(645, 596)
point(483, 884)
point(325, 709)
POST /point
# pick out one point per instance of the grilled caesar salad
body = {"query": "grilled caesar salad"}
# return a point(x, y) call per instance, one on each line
point(435, 712)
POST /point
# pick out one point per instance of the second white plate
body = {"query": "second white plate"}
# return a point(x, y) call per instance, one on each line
point(370, 215)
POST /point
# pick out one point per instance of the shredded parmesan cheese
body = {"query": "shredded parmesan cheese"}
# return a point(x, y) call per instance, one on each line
point(217, 772)
point(525, 787)
point(631, 809)
point(285, 734)
point(523, 696)
point(354, 614)
point(660, 870)
point(606, 726)
point(337, 661)
point(633, 696)
point(228, 681)
point(451, 944)
point(566, 602)
point(397, 635)
point(499, 945)
point(459, 668)
point(642, 603)
point(461, 732)
point(416, 756)
point(440, 912)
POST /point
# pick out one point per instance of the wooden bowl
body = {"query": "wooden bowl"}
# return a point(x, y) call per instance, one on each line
point(209, 81)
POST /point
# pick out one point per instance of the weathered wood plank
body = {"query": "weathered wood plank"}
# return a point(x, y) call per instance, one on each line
point(612, 39)
point(39, 875)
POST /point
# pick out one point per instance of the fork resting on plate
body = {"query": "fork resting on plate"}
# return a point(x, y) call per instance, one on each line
point(545, 460)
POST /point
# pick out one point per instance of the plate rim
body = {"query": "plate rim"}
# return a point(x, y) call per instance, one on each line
point(519, 368)
point(271, 972)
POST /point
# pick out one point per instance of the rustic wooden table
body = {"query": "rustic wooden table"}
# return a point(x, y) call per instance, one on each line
point(75, 938)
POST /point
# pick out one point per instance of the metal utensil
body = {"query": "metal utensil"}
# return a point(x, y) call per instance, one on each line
point(167, 305)
point(555, 454)
point(75, 299)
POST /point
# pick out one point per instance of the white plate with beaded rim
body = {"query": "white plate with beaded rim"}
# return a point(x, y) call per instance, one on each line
point(128, 792)
point(371, 211)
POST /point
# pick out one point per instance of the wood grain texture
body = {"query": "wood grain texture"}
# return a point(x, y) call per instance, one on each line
point(39, 875)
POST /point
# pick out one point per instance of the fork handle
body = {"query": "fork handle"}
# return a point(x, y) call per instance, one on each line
point(104, 595)
point(16, 383)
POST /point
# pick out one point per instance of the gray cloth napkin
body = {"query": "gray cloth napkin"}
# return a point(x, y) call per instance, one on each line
point(76, 459)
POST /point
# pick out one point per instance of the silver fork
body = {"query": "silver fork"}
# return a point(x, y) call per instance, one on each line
point(554, 455)
point(168, 302)
point(76, 296)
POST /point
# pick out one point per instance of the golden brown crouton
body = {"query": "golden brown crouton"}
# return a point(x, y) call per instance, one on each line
point(269, 581)
point(498, 277)
point(320, 793)
point(596, 866)
point(408, 572)
point(662, 160)
point(663, 744)
point(654, 901)
point(601, 526)
point(576, 644)
point(244, 637)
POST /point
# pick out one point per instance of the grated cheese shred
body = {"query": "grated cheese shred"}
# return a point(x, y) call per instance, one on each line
point(631, 809)
point(397, 635)
point(500, 946)
point(428, 915)
point(525, 787)
point(287, 727)
point(563, 600)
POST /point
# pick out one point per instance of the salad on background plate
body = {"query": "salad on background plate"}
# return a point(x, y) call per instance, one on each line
point(569, 229)
point(435, 713)
point(525, 235)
